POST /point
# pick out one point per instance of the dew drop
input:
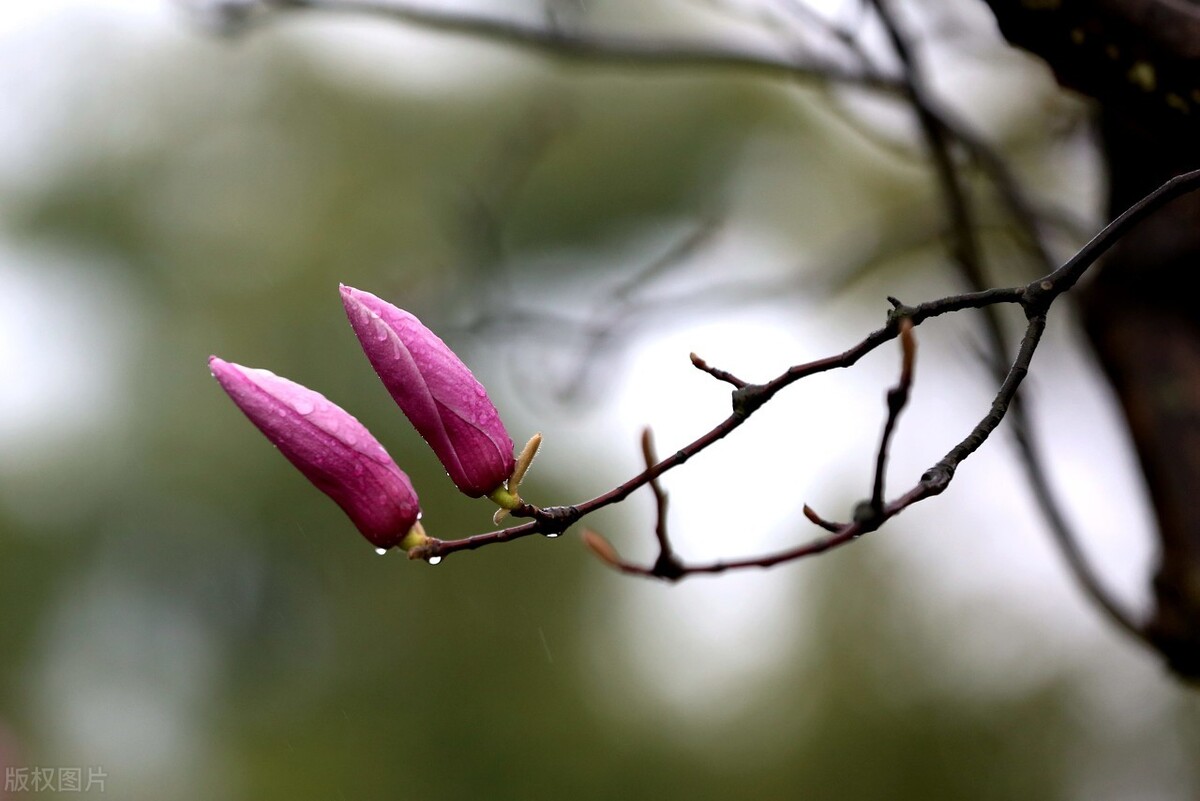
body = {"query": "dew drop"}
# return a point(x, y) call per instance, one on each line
point(304, 407)
point(550, 535)
point(434, 560)
point(381, 551)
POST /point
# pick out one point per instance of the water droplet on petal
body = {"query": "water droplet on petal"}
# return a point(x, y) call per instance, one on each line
point(434, 560)
point(304, 406)
point(381, 551)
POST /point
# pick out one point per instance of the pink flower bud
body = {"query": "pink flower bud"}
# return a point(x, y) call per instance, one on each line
point(332, 449)
point(436, 391)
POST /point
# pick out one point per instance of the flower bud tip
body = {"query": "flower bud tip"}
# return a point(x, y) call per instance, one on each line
point(601, 548)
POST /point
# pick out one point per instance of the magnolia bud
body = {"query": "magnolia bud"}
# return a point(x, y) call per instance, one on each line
point(332, 449)
point(436, 391)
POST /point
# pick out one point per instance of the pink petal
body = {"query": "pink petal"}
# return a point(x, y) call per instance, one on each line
point(331, 448)
point(436, 391)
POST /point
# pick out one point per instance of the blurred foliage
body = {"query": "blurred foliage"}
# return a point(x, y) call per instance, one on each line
point(177, 605)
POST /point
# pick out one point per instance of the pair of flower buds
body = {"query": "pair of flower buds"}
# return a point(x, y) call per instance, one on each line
point(434, 389)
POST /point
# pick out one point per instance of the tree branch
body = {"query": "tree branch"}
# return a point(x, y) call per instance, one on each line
point(968, 260)
point(1035, 298)
point(596, 48)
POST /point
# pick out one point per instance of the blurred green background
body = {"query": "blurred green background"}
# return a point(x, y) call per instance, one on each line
point(180, 611)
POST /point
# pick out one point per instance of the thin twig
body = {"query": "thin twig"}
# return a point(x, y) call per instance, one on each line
point(666, 565)
point(969, 263)
point(599, 48)
point(817, 520)
point(897, 399)
point(935, 125)
point(668, 54)
point(720, 375)
point(1036, 298)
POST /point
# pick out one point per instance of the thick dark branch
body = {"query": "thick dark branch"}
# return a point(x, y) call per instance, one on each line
point(1068, 543)
point(970, 266)
point(1065, 276)
point(965, 249)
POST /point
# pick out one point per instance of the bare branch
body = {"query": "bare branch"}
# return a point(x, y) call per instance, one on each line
point(969, 263)
point(597, 48)
point(720, 375)
point(897, 399)
point(1036, 298)
point(816, 519)
point(666, 565)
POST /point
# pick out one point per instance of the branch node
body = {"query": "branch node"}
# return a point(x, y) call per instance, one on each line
point(869, 514)
point(899, 311)
point(555, 519)
point(747, 399)
point(668, 568)
point(937, 478)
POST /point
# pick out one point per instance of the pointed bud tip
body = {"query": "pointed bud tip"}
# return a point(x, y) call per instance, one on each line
point(601, 547)
point(220, 369)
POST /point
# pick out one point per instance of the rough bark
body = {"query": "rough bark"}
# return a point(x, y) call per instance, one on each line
point(1140, 59)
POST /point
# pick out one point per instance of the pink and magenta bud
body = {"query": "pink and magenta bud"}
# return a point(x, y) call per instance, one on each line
point(436, 391)
point(332, 449)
